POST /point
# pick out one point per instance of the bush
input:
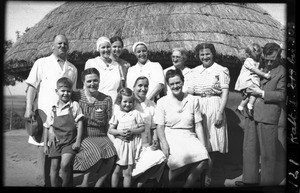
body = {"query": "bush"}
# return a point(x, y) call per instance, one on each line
point(17, 122)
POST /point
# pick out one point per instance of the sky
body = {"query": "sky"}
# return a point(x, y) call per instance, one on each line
point(22, 14)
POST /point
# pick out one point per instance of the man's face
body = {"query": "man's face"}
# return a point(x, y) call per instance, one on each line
point(270, 58)
point(60, 46)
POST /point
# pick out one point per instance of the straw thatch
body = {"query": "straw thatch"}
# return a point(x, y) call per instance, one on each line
point(163, 26)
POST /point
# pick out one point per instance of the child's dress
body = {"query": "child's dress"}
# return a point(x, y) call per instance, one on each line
point(127, 150)
point(246, 77)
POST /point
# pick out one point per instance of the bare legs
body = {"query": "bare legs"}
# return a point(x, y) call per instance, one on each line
point(106, 166)
point(195, 169)
point(127, 174)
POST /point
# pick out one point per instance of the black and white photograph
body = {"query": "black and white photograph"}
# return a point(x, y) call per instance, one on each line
point(128, 94)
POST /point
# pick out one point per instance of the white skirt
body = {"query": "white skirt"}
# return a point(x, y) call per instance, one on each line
point(147, 159)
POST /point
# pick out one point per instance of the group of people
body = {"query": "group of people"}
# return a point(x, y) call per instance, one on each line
point(118, 127)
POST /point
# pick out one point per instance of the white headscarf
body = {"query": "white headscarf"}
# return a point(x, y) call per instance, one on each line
point(102, 40)
point(138, 43)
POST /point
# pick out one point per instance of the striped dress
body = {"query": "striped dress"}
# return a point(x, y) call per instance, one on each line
point(202, 82)
point(96, 145)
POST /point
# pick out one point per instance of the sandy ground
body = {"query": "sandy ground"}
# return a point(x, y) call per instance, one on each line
point(20, 162)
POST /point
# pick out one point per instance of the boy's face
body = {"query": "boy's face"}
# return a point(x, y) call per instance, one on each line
point(64, 93)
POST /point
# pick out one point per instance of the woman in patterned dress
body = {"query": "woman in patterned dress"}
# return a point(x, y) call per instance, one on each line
point(180, 131)
point(210, 83)
point(97, 152)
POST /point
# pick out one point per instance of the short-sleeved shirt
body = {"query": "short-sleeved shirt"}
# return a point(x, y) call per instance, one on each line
point(64, 110)
point(110, 76)
point(152, 70)
point(186, 72)
point(43, 76)
point(204, 79)
point(183, 117)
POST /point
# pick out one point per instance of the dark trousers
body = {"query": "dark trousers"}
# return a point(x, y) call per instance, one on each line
point(260, 146)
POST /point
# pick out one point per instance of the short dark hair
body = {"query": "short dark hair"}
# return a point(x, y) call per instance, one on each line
point(171, 73)
point(64, 82)
point(116, 38)
point(205, 46)
point(126, 92)
point(269, 48)
point(89, 71)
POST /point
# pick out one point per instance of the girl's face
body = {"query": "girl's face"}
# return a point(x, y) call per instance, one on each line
point(206, 57)
point(116, 48)
point(141, 53)
point(177, 59)
point(127, 103)
point(91, 82)
point(175, 83)
point(141, 89)
point(105, 49)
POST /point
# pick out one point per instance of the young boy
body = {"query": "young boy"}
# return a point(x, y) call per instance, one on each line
point(65, 120)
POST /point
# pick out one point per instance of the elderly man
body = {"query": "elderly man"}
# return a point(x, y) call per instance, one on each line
point(40, 94)
point(261, 131)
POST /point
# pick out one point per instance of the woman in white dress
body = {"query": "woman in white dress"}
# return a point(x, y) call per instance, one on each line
point(151, 161)
point(110, 76)
point(180, 131)
point(210, 84)
point(144, 67)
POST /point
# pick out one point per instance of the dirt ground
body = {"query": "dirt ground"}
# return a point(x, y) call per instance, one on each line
point(20, 161)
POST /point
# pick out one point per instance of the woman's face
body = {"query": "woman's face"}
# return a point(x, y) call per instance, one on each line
point(175, 83)
point(177, 59)
point(141, 88)
point(206, 57)
point(141, 53)
point(105, 49)
point(116, 48)
point(91, 82)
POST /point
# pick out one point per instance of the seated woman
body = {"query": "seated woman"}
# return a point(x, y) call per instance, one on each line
point(151, 161)
point(97, 152)
point(180, 131)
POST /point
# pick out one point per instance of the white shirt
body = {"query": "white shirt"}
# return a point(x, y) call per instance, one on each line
point(186, 72)
point(43, 76)
point(110, 76)
point(152, 70)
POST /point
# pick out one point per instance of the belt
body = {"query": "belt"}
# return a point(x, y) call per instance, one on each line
point(205, 94)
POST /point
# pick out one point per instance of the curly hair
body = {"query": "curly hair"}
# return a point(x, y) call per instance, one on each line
point(124, 92)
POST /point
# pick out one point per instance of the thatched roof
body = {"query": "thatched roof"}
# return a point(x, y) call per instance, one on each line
point(163, 26)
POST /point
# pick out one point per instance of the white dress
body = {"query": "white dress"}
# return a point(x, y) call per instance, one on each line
point(246, 78)
point(152, 70)
point(203, 82)
point(147, 157)
point(185, 147)
point(128, 151)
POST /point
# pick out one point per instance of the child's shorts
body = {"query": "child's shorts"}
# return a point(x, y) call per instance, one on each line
point(61, 149)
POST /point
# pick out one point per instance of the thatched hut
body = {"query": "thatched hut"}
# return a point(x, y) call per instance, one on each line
point(230, 26)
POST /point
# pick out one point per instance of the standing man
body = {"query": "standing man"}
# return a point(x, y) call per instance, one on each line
point(40, 95)
point(261, 131)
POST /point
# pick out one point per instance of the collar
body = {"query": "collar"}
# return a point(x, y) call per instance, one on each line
point(209, 69)
point(68, 104)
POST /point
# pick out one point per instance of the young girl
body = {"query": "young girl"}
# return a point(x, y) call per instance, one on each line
point(250, 76)
point(127, 123)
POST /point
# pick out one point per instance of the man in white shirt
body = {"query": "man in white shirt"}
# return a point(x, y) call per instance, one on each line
point(40, 94)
